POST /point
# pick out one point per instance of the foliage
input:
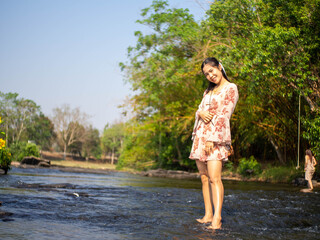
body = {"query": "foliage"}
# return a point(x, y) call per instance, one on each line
point(281, 174)
point(312, 134)
point(91, 146)
point(158, 72)
point(229, 166)
point(112, 140)
point(31, 149)
point(5, 155)
point(69, 126)
point(270, 49)
point(41, 131)
point(5, 159)
point(18, 114)
point(16, 149)
point(24, 149)
point(249, 166)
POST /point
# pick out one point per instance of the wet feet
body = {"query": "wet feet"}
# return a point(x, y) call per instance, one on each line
point(204, 219)
point(216, 224)
point(306, 190)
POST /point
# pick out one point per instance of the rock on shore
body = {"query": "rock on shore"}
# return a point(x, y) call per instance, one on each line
point(169, 174)
point(35, 161)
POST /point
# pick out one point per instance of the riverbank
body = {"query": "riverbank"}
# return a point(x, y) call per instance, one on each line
point(273, 175)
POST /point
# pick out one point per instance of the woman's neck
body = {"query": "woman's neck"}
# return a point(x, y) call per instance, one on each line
point(221, 83)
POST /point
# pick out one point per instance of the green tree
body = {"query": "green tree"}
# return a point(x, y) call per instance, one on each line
point(164, 100)
point(18, 114)
point(269, 48)
point(91, 145)
point(41, 131)
point(273, 51)
point(112, 140)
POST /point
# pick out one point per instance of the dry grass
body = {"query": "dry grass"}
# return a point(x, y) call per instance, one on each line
point(83, 164)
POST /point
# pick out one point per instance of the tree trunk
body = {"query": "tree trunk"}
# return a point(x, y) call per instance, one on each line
point(64, 151)
point(178, 150)
point(7, 129)
point(276, 148)
point(112, 156)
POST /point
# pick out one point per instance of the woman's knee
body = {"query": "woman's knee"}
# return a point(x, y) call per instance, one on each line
point(215, 180)
point(204, 178)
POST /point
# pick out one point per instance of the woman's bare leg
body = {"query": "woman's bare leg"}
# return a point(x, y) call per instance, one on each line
point(310, 184)
point(214, 170)
point(205, 192)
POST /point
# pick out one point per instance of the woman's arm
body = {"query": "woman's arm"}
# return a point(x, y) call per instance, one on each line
point(314, 160)
point(221, 121)
point(206, 116)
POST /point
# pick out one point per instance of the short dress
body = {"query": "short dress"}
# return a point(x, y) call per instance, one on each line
point(310, 169)
point(222, 105)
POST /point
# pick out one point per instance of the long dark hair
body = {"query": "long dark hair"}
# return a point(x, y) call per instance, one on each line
point(309, 153)
point(214, 63)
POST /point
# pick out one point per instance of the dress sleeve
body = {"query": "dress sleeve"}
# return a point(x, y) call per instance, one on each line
point(221, 121)
point(197, 117)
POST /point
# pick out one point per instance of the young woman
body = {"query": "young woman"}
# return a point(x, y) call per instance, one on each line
point(212, 137)
point(309, 167)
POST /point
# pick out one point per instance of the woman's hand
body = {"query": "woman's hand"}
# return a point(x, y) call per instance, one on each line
point(209, 148)
point(206, 116)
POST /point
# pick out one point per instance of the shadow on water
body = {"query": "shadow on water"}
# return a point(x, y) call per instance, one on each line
point(50, 204)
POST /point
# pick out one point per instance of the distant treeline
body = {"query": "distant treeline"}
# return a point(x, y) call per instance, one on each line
point(269, 48)
point(67, 130)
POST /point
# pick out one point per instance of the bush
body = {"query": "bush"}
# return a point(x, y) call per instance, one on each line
point(22, 149)
point(248, 167)
point(5, 159)
point(5, 155)
point(229, 166)
point(283, 174)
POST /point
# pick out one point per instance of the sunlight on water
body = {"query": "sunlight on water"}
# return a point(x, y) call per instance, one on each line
point(51, 204)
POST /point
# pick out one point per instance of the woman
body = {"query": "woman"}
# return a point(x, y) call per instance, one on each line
point(309, 167)
point(212, 137)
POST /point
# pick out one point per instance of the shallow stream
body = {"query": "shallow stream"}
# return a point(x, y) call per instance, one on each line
point(53, 204)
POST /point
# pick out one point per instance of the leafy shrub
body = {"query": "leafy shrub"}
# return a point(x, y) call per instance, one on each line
point(5, 155)
point(22, 149)
point(16, 149)
point(229, 166)
point(281, 174)
point(249, 167)
point(5, 159)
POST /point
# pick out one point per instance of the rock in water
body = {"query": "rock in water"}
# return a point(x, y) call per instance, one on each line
point(35, 161)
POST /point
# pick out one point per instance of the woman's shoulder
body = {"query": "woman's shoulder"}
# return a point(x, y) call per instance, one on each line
point(231, 87)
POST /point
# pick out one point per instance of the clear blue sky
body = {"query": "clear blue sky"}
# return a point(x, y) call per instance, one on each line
point(57, 52)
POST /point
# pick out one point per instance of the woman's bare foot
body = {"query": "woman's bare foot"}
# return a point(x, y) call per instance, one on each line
point(205, 219)
point(216, 224)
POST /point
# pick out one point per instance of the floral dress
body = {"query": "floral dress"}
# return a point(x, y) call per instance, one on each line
point(222, 105)
point(310, 169)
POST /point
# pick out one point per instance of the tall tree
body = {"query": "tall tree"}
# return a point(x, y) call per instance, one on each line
point(269, 48)
point(18, 114)
point(157, 71)
point(112, 140)
point(41, 131)
point(91, 145)
point(69, 125)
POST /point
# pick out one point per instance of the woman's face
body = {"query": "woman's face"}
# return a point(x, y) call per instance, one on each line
point(213, 74)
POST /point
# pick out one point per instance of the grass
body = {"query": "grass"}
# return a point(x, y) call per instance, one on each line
point(83, 164)
point(280, 174)
point(273, 174)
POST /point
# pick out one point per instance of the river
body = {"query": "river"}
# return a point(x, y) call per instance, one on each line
point(54, 204)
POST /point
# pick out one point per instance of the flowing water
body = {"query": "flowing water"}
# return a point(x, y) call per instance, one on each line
point(52, 204)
